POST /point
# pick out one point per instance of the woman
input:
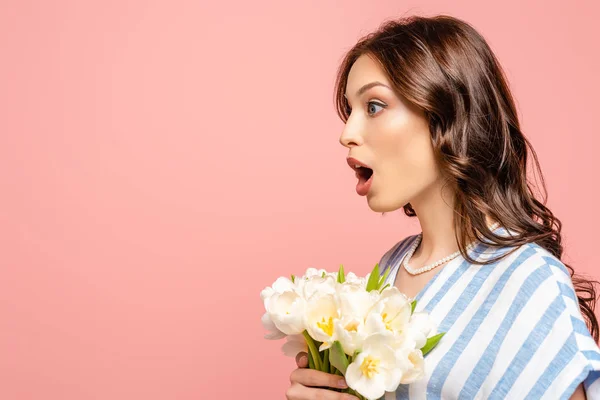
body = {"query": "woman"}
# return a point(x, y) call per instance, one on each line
point(430, 126)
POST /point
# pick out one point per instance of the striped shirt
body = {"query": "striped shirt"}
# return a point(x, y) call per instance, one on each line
point(514, 329)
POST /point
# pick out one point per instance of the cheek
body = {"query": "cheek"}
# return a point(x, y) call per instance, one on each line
point(407, 152)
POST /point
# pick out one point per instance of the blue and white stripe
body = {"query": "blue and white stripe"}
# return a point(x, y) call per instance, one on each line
point(513, 328)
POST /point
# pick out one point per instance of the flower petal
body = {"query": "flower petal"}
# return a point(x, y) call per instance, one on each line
point(274, 333)
point(294, 344)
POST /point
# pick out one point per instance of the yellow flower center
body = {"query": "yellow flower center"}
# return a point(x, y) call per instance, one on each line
point(369, 366)
point(413, 359)
point(387, 322)
point(352, 326)
point(326, 326)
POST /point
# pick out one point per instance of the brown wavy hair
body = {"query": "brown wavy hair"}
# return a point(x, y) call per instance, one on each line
point(445, 67)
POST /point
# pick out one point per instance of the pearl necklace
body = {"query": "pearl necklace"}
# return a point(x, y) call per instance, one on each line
point(429, 267)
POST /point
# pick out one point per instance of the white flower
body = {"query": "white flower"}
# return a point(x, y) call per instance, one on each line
point(354, 304)
point(294, 344)
point(376, 369)
point(279, 286)
point(355, 300)
point(321, 314)
point(287, 311)
point(352, 278)
point(391, 313)
point(316, 285)
point(420, 328)
point(274, 333)
point(411, 362)
point(312, 272)
point(350, 331)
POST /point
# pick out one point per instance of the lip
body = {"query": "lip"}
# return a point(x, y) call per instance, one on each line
point(353, 161)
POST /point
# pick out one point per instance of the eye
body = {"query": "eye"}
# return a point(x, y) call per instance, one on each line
point(371, 108)
point(372, 105)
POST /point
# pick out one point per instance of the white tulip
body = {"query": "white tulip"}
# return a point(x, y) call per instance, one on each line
point(420, 328)
point(313, 272)
point(320, 317)
point(354, 300)
point(390, 313)
point(354, 304)
point(287, 311)
point(294, 344)
point(352, 278)
point(351, 333)
point(310, 272)
point(316, 285)
point(412, 363)
point(274, 333)
point(376, 369)
point(279, 286)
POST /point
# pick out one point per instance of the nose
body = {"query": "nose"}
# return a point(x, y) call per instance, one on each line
point(350, 136)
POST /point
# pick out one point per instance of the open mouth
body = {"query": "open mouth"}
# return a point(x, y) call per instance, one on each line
point(364, 173)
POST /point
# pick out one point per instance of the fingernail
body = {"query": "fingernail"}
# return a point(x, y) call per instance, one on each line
point(342, 383)
point(303, 359)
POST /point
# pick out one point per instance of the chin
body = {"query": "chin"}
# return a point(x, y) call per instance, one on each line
point(379, 205)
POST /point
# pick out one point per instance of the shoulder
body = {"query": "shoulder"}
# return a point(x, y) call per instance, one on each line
point(544, 291)
point(532, 260)
point(535, 276)
point(543, 344)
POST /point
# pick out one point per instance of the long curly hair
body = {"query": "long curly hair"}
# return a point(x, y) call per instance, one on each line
point(445, 67)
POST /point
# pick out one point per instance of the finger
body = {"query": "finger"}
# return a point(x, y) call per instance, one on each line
point(329, 395)
point(302, 360)
point(311, 377)
point(306, 393)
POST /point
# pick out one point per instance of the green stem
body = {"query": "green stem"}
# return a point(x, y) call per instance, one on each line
point(355, 393)
point(326, 360)
point(311, 363)
point(313, 349)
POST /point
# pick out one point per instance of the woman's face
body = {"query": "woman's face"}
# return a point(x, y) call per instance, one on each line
point(389, 135)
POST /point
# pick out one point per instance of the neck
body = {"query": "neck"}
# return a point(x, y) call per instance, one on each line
point(435, 211)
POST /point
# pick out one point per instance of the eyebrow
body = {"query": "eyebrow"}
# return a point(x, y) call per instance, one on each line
point(369, 86)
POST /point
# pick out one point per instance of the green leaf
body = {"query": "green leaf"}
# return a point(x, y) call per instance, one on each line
point(383, 278)
point(373, 279)
point(332, 369)
point(323, 274)
point(341, 275)
point(381, 290)
point(412, 306)
point(293, 279)
point(313, 350)
point(431, 343)
point(338, 358)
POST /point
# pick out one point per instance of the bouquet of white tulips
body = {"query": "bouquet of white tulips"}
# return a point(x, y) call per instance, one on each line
point(351, 326)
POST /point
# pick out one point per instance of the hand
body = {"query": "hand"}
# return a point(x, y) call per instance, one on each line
point(306, 383)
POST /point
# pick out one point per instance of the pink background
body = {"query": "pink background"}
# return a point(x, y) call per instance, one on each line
point(161, 162)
